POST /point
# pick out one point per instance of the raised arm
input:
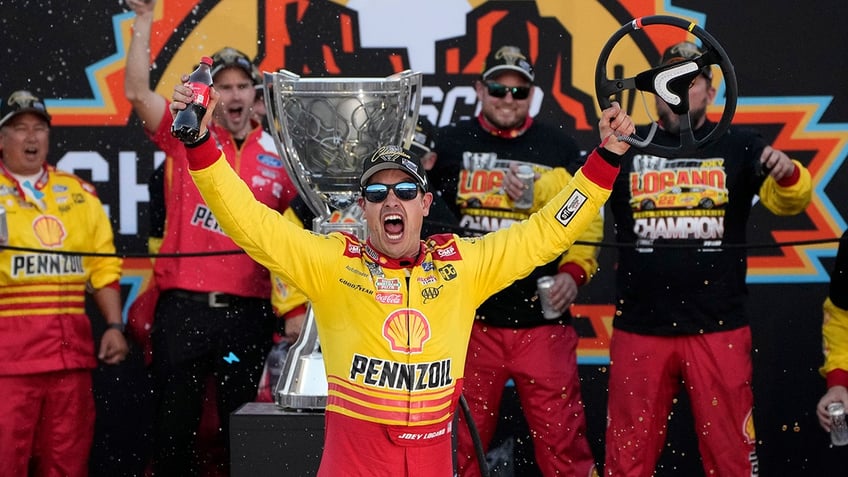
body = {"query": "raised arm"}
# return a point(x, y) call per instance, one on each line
point(148, 105)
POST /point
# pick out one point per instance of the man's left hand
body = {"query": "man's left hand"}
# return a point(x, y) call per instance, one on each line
point(113, 347)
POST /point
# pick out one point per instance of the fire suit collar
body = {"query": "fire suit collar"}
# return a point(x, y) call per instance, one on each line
point(39, 183)
point(394, 263)
point(223, 134)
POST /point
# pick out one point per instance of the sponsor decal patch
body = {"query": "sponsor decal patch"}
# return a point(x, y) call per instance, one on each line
point(571, 207)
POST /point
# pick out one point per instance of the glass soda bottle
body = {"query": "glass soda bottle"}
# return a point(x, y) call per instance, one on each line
point(186, 125)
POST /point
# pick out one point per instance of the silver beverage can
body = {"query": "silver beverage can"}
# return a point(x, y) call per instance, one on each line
point(544, 285)
point(526, 174)
point(4, 227)
point(838, 426)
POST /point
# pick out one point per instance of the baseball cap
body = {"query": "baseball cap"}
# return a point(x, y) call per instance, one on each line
point(685, 50)
point(20, 102)
point(422, 138)
point(393, 157)
point(230, 57)
point(507, 58)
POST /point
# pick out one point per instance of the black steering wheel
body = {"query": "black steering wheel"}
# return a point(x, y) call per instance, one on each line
point(671, 83)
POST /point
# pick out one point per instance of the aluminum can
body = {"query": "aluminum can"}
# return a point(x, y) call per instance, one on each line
point(544, 285)
point(526, 174)
point(4, 227)
point(838, 426)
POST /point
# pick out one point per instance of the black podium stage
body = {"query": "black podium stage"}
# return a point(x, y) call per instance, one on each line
point(266, 440)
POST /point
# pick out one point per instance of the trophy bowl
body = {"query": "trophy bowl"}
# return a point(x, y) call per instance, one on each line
point(324, 129)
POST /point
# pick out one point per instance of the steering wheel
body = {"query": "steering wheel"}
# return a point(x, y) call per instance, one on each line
point(671, 83)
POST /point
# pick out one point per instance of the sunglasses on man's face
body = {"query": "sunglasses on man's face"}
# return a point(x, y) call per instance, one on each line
point(378, 192)
point(498, 90)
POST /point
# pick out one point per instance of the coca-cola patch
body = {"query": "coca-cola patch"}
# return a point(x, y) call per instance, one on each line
point(389, 298)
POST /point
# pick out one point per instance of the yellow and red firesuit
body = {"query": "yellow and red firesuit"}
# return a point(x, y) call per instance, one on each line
point(44, 330)
point(394, 333)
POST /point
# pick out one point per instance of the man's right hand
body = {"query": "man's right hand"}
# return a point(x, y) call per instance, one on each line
point(183, 95)
point(141, 7)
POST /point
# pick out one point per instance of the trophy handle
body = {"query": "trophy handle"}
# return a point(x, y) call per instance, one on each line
point(411, 118)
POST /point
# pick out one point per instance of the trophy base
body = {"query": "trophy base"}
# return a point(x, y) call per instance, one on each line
point(294, 402)
point(308, 388)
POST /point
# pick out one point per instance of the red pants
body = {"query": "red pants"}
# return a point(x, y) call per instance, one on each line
point(46, 423)
point(647, 372)
point(355, 448)
point(543, 363)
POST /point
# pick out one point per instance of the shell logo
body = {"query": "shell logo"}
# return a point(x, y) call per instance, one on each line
point(49, 230)
point(750, 435)
point(406, 330)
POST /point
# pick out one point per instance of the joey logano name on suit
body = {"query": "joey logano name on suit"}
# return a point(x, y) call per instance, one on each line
point(40, 264)
point(401, 376)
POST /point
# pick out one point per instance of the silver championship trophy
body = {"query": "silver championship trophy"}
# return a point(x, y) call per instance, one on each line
point(324, 129)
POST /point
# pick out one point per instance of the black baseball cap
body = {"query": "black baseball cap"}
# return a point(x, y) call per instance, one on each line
point(232, 58)
point(394, 157)
point(685, 50)
point(20, 102)
point(508, 58)
point(423, 138)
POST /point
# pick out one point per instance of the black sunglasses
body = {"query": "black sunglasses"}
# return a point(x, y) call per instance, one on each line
point(378, 192)
point(498, 90)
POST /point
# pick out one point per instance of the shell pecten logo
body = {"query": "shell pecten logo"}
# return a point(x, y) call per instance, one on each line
point(49, 230)
point(406, 330)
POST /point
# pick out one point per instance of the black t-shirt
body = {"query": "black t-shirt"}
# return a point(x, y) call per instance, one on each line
point(468, 172)
point(671, 214)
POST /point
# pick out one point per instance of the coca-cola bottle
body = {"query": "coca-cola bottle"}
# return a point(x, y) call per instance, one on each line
point(186, 125)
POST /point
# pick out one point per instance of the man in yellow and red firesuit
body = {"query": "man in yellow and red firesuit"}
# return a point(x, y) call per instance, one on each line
point(394, 312)
point(46, 343)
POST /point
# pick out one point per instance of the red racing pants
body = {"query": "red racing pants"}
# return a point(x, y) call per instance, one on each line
point(542, 361)
point(46, 423)
point(647, 372)
point(356, 448)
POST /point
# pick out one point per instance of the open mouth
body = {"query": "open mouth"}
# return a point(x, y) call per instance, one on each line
point(235, 113)
point(393, 226)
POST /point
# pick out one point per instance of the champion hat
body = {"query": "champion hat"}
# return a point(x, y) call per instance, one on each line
point(394, 157)
point(685, 50)
point(232, 58)
point(508, 58)
point(20, 102)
